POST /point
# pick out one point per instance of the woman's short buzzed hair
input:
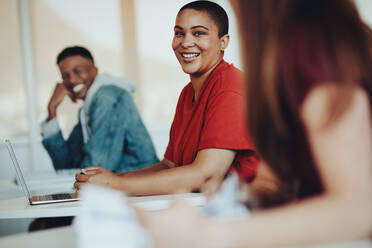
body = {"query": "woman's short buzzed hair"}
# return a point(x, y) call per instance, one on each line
point(215, 11)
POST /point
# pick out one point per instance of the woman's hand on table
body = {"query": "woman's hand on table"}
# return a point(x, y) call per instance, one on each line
point(95, 175)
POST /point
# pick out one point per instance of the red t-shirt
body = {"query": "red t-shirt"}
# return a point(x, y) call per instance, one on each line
point(214, 120)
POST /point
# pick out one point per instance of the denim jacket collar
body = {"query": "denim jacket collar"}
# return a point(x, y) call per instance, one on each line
point(99, 81)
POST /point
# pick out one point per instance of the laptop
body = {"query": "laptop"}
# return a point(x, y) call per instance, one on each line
point(36, 199)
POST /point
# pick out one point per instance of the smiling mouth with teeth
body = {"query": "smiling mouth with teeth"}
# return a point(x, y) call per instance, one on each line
point(77, 88)
point(190, 55)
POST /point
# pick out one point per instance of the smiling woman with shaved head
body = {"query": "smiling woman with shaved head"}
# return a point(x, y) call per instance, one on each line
point(208, 136)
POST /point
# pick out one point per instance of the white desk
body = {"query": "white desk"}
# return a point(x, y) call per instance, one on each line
point(16, 204)
point(19, 207)
point(66, 237)
point(57, 238)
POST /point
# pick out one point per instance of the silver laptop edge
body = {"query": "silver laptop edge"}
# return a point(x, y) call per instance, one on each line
point(22, 181)
point(19, 173)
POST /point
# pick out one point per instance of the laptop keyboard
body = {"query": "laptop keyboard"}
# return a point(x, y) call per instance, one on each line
point(54, 197)
point(61, 196)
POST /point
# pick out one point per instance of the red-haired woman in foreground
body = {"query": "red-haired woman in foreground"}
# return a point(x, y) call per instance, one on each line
point(308, 68)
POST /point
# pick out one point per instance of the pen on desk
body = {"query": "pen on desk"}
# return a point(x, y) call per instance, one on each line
point(86, 171)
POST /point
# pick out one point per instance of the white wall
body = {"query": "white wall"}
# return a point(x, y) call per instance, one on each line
point(365, 10)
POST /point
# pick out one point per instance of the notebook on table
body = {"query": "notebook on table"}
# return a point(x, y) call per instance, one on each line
point(36, 199)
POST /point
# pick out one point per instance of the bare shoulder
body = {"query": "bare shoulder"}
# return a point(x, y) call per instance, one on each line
point(315, 110)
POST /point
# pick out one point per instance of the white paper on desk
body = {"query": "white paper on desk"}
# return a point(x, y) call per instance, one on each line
point(225, 204)
point(106, 220)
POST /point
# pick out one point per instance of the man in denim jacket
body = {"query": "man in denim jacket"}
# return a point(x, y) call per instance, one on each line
point(110, 132)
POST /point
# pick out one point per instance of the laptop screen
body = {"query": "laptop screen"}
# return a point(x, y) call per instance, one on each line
point(19, 174)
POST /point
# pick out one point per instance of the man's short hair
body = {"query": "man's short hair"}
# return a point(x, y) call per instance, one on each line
point(215, 11)
point(72, 51)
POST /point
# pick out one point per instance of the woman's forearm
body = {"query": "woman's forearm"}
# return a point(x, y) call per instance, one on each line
point(209, 163)
point(318, 220)
point(150, 169)
point(175, 180)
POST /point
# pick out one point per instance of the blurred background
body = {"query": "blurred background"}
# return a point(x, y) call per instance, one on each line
point(130, 38)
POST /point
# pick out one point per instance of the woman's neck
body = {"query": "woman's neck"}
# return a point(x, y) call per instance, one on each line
point(197, 81)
